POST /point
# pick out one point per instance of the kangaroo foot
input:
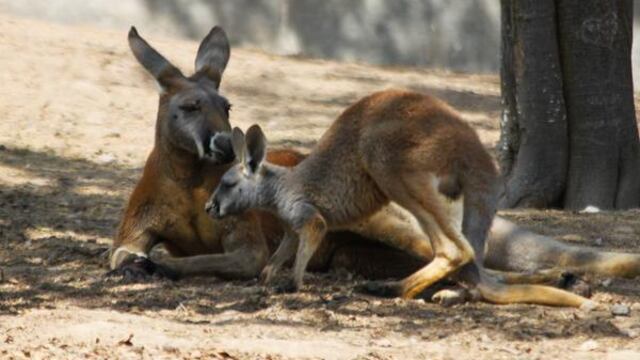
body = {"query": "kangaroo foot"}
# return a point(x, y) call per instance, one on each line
point(387, 289)
point(575, 284)
point(137, 268)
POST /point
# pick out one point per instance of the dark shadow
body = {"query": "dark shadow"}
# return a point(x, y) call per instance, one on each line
point(71, 194)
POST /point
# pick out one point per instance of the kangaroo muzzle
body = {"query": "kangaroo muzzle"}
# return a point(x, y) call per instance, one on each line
point(212, 207)
point(220, 148)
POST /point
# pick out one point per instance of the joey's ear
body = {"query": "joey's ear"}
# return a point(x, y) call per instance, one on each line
point(256, 148)
point(237, 142)
point(159, 67)
point(213, 55)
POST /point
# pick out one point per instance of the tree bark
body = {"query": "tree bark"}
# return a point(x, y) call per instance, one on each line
point(569, 136)
point(595, 39)
point(533, 147)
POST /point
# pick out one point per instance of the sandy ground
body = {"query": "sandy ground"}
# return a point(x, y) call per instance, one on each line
point(77, 116)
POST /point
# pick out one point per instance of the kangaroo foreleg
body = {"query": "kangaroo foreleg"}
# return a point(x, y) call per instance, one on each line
point(245, 253)
point(238, 264)
point(284, 253)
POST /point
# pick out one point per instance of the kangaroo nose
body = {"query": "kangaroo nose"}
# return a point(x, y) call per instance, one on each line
point(212, 207)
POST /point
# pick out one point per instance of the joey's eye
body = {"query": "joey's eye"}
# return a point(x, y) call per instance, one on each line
point(190, 107)
point(229, 183)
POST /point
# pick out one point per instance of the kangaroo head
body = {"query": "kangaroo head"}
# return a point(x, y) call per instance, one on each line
point(193, 118)
point(239, 189)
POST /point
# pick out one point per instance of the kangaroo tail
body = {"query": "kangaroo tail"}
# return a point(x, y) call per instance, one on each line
point(512, 248)
point(479, 210)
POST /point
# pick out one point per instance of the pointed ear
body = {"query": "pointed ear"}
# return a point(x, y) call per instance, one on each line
point(238, 144)
point(213, 55)
point(256, 148)
point(159, 67)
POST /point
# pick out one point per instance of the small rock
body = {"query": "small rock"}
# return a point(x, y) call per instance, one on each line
point(606, 282)
point(588, 305)
point(105, 159)
point(590, 210)
point(620, 310)
point(635, 306)
point(598, 242)
point(450, 297)
point(589, 345)
point(572, 237)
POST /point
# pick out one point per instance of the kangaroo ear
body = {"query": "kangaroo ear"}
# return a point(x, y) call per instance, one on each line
point(213, 55)
point(238, 144)
point(256, 148)
point(159, 67)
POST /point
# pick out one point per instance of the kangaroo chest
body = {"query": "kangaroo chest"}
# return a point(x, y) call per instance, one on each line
point(191, 231)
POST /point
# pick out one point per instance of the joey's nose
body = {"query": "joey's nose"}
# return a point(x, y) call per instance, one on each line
point(212, 207)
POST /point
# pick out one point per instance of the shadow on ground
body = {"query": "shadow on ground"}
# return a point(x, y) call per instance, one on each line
point(55, 230)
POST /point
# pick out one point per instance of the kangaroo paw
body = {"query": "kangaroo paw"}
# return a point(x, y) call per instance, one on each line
point(267, 275)
point(387, 289)
point(137, 268)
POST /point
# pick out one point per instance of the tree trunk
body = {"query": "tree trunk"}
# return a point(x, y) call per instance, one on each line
point(533, 141)
point(604, 164)
point(568, 133)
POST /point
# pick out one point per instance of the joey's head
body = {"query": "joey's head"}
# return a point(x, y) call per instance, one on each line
point(193, 118)
point(240, 187)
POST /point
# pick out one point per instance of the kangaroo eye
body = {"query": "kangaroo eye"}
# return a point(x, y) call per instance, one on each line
point(229, 183)
point(190, 106)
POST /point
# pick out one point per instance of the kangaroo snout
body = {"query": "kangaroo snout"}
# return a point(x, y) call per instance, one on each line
point(212, 207)
point(220, 148)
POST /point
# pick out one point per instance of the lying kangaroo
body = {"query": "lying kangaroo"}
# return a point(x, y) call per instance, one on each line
point(182, 170)
point(167, 205)
point(397, 146)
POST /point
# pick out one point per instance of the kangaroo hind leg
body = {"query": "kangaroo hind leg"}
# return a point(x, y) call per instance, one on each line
point(440, 218)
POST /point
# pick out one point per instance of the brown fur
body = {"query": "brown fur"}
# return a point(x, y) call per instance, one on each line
point(390, 146)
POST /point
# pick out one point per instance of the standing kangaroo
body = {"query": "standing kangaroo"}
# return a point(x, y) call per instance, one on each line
point(397, 146)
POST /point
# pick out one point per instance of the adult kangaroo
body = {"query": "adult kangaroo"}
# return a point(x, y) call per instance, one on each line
point(190, 154)
point(405, 147)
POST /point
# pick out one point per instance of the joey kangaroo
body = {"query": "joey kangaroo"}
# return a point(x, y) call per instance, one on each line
point(404, 147)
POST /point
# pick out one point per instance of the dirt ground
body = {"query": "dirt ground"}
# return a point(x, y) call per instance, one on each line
point(76, 124)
